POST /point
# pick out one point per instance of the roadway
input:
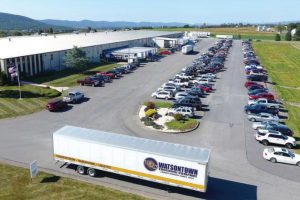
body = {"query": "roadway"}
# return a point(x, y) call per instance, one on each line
point(237, 170)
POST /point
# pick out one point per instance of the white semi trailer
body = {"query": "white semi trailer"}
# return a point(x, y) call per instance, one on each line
point(94, 151)
point(187, 49)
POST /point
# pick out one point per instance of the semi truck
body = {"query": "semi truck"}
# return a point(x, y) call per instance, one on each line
point(187, 49)
point(94, 151)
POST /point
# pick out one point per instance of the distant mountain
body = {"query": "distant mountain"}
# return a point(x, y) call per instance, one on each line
point(107, 24)
point(17, 22)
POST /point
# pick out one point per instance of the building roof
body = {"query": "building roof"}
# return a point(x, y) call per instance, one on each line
point(179, 151)
point(11, 47)
point(133, 50)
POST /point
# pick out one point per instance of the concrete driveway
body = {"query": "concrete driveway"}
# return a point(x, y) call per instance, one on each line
point(237, 170)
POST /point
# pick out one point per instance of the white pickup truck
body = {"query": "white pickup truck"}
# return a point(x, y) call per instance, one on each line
point(201, 81)
point(184, 76)
point(266, 102)
point(73, 97)
point(180, 82)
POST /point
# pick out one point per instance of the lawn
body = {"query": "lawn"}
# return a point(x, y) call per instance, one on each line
point(245, 32)
point(15, 184)
point(282, 61)
point(183, 125)
point(33, 99)
point(68, 77)
point(161, 104)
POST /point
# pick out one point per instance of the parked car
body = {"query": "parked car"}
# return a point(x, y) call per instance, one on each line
point(55, 105)
point(266, 102)
point(116, 73)
point(181, 95)
point(180, 82)
point(188, 102)
point(276, 127)
point(174, 89)
point(185, 111)
point(263, 124)
point(258, 108)
point(165, 52)
point(255, 87)
point(73, 97)
point(162, 95)
point(255, 77)
point(267, 96)
point(281, 155)
point(91, 81)
point(250, 83)
point(257, 91)
point(262, 117)
point(110, 75)
point(275, 137)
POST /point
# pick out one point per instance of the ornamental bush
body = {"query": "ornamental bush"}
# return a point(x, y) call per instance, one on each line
point(178, 117)
point(150, 112)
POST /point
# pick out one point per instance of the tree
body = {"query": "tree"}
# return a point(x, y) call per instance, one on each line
point(288, 36)
point(186, 26)
point(297, 34)
point(3, 34)
point(280, 28)
point(75, 58)
point(89, 29)
point(239, 36)
point(51, 30)
point(277, 37)
point(3, 78)
point(40, 31)
point(16, 33)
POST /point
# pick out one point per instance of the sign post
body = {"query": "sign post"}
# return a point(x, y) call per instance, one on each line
point(33, 169)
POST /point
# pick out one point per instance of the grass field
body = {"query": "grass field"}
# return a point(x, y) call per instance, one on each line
point(68, 77)
point(33, 99)
point(245, 32)
point(15, 185)
point(283, 63)
point(184, 125)
point(161, 104)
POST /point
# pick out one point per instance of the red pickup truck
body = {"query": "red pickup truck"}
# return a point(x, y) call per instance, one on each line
point(91, 81)
point(110, 75)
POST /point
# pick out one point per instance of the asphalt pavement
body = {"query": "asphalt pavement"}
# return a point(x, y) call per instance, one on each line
point(237, 169)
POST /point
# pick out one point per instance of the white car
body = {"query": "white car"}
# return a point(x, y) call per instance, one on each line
point(174, 89)
point(266, 102)
point(184, 76)
point(185, 111)
point(281, 155)
point(162, 95)
point(73, 97)
point(181, 95)
point(262, 117)
point(201, 81)
point(251, 67)
point(211, 75)
point(275, 137)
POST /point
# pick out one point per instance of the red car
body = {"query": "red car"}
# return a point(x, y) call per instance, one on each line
point(268, 96)
point(110, 75)
point(204, 87)
point(165, 52)
point(250, 83)
point(55, 105)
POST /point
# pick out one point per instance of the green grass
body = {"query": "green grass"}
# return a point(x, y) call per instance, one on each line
point(15, 184)
point(33, 99)
point(161, 104)
point(183, 125)
point(282, 61)
point(68, 77)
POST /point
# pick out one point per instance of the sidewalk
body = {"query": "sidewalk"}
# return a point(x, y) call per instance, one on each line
point(60, 89)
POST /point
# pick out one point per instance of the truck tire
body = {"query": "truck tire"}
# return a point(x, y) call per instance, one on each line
point(80, 170)
point(92, 172)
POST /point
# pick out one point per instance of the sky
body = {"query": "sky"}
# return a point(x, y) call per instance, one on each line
point(186, 11)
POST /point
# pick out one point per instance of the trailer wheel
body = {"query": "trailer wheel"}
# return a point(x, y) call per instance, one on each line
point(80, 169)
point(91, 172)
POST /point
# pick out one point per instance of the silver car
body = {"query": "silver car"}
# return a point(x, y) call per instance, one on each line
point(261, 117)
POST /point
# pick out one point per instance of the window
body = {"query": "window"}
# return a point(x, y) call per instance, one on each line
point(51, 57)
point(286, 155)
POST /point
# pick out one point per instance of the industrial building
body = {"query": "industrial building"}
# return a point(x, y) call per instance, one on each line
point(37, 54)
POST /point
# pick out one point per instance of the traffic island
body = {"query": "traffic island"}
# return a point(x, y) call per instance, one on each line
point(156, 118)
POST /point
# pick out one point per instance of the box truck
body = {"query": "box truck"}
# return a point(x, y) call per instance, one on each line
point(93, 151)
point(187, 49)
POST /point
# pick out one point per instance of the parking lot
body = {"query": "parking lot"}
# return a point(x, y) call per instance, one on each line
point(238, 170)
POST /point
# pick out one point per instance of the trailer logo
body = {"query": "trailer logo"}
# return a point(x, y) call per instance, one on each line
point(150, 164)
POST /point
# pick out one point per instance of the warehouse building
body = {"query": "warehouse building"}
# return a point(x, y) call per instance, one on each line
point(37, 54)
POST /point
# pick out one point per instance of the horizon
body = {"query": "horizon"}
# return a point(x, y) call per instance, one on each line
point(195, 12)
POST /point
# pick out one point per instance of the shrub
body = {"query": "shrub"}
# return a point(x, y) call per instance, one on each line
point(277, 37)
point(178, 117)
point(3, 79)
point(150, 105)
point(156, 116)
point(156, 126)
point(150, 112)
point(149, 123)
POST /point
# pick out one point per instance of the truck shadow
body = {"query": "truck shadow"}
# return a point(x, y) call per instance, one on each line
point(217, 188)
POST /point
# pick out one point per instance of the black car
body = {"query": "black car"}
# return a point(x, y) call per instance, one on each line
point(255, 77)
point(194, 102)
point(117, 73)
point(255, 87)
point(106, 79)
point(281, 128)
point(257, 91)
point(258, 108)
